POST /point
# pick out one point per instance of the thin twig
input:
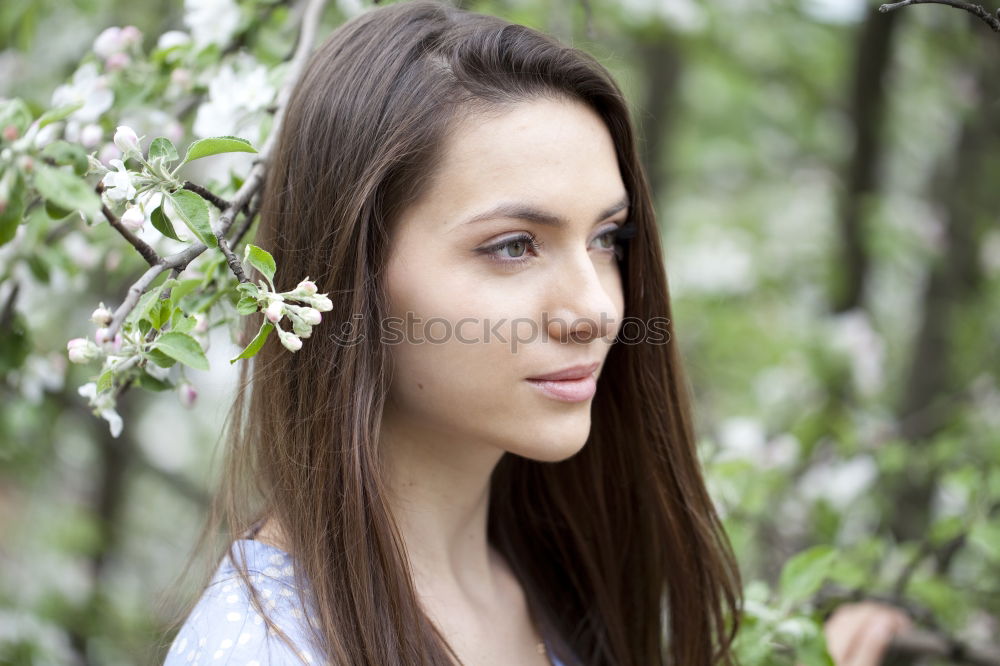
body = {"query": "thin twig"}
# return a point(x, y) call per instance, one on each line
point(148, 253)
point(207, 195)
point(253, 182)
point(234, 263)
point(992, 20)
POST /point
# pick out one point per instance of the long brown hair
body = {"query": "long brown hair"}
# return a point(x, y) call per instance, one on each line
point(619, 549)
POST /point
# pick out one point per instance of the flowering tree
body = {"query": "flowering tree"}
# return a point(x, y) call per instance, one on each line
point(46, 166)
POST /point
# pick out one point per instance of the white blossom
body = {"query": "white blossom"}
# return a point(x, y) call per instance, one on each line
point(172, 38)
point(87, 86)
point(839, 483)
point(118, 183)
point(211, 21)
point(853, 335)
point(235, 96)
point(103, 405)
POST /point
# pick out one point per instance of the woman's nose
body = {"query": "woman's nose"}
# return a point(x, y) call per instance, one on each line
point(582, 306)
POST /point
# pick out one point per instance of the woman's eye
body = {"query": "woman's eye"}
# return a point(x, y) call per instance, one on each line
point(607, 239)
point(516, 248)
point(513, 250)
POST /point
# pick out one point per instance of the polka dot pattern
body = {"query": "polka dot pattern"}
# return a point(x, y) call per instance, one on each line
point(224, 628)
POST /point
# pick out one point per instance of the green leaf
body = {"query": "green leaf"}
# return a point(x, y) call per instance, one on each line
point(182, 323)
point(162, 148)
point(217, 145)
point(261, 260)
point(151, 383)
point(66, 190)
point(193, 211)
point(184, 348)
point(248, 289)
point(54, 115)
point(55, 212)
point(159, 358)
point(14, 211)
point(182, 289)
point(256, 343)
point(149, 300)
point(15, 112)
point(64, 152)
point(104, 381)
point(247, 305)
point(39, 268)
point(162, 224)
point(159, 314)
point(804, 573)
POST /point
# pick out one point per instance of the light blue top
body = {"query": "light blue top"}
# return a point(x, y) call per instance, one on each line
point(223, 629)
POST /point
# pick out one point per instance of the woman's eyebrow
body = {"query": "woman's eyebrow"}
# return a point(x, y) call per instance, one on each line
point(523, 211)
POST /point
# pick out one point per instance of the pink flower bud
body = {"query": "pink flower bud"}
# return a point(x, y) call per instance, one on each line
point(127, 140)
point(133, 219)
point(26, 163)
point(79, 350)
point(131, 36)
point(108, 42)
point(188, 394)
point(307, 287)
point(310, 316)
point(291, 342)
point(320, 302)
point(108, 152)
point(101, 316)
point(181, 77)
point(10, 133)
point(200, 323)
point(274, 311)
point(91, 135)
point(117, 61)
point(101, 337)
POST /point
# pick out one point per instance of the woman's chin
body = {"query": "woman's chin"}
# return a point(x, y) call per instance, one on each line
point(561, 446)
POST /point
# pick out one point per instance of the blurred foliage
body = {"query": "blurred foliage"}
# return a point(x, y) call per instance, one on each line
point(852, 443)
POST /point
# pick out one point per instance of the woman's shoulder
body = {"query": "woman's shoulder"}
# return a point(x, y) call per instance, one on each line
point(225, 628)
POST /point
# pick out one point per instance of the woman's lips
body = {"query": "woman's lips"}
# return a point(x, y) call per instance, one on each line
point(567, 390)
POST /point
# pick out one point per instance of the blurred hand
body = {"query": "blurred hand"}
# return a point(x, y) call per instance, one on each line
point(858, 634)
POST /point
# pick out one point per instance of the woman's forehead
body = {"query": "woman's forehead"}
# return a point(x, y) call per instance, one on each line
point(554, 155)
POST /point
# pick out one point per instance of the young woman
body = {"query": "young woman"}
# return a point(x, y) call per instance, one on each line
point(484, 453)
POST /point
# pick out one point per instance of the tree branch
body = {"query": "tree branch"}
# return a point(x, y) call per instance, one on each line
point(992, 20)
point(207, 195)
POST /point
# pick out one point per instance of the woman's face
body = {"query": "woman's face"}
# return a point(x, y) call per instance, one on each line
point(482, 307)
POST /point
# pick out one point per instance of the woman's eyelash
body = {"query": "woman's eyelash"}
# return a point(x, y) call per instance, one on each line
point(623, 234)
